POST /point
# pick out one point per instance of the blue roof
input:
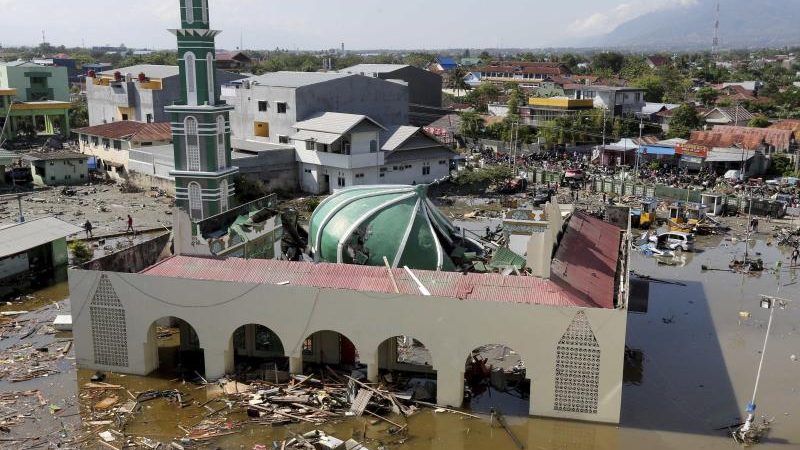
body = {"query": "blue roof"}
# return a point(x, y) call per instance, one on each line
point(446, 62)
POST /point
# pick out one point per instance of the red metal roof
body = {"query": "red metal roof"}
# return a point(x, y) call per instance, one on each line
point(583, 275)
point(750, 138)
point(130, 131)
point(585, 264)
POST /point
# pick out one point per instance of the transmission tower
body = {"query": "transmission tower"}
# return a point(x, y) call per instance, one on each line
point(715, 42)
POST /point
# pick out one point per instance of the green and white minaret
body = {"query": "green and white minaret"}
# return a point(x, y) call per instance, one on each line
point(200, 122)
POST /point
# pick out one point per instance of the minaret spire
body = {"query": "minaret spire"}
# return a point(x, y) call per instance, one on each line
point(200, 121)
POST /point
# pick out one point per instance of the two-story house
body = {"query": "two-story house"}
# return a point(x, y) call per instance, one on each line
point(336, 150)
point(34, 98)
point(137, 93)
point(619, 101)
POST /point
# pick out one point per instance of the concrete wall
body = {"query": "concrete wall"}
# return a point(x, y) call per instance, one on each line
point(136, 258)
point(276, 168)
point(60, 172)
point(425, 88)
point(449, 328)
point(14, 77)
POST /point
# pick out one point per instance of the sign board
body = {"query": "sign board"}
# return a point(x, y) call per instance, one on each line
point(698, 151)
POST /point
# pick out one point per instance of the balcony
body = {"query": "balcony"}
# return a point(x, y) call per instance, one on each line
point(340, 161)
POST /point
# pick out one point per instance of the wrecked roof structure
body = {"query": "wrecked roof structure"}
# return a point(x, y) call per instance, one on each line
point(362, 224)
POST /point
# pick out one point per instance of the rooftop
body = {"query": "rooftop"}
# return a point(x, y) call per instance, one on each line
point(584, 273)
point(296, 79)
point(24, 236)
point(334, 123)
point(373, 68)
point(150, 70)
point(53, 156)
point(130, 131)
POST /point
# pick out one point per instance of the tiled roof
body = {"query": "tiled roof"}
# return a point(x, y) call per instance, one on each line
point(54, 156)
point(789, 124)
point(733, 114)
point(546, 68)
point(130, 131)
point(775, 137)
point(585, 264)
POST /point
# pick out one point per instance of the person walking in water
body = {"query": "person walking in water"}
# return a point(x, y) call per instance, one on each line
point(130, 224)
point(795, 255)
point(88, 228)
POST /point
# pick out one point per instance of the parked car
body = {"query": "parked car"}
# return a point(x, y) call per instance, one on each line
point(674, 240)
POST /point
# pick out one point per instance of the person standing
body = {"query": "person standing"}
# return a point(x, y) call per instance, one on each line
point(130, 224)
point(87, 226)
point(795, 255)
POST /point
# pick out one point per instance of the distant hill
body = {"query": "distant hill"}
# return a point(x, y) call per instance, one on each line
point(743, 24)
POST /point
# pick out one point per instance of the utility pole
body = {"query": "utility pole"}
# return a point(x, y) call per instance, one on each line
point(638, 152)
point(747, 433)
point(715, 41)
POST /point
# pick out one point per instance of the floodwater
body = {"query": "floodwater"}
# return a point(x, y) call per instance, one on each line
point(697, 366)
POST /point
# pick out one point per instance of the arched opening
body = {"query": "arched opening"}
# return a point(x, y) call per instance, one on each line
point(204, 11)
point(222, 160)
point(191, 77)
point(407, 363)
point(329, 349)
point(175, 349)
point(495, 377)
point(189, 11)
point(223, 195)
point(192, 144)
point(195, 201)
point(210, 78)
point(258, 354)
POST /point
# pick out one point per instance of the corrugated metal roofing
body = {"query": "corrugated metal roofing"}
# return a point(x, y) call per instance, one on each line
point(336, 123)
point(18, 238)
point(373, 68)
point(130, 131)
point(316, 136)
point(586, 261)
point(396, 136)
point(297, 79)
point(478, 287)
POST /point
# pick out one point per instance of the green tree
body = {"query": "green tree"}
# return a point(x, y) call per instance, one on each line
point(635, 67)
point(653, 88)
point(707, 95)
point(684, 120)
point(781, 165)
point(759, 122)
point(79, 114)
point(471, 124)
point(612, 61)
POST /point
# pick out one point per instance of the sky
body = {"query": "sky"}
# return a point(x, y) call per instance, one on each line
point(324, 24)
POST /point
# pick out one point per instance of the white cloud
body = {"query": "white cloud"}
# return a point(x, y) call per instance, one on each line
point(603, 22)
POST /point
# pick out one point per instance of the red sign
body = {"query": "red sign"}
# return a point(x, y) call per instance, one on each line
point(699, 151)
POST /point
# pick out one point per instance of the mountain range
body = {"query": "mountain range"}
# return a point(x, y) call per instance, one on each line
point(743, 24)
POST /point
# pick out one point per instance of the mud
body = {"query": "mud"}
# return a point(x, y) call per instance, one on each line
point(691, 369)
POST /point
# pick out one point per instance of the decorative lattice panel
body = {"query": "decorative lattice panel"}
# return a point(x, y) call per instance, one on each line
point(577, 368)
point(109, 330)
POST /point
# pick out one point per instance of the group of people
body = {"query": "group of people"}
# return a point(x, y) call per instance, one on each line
point(88, 227)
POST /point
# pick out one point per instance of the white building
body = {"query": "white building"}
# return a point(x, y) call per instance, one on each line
point(336, 150)
point(617, 100)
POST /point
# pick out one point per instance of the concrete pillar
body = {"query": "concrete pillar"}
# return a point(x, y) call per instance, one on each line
point(371, 360)
point(531, 410)
point(219, 361)
point(48, 125)
point(296, 365)
point(450, 387)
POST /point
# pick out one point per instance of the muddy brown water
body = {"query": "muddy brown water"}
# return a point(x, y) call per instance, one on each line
point(698, 367)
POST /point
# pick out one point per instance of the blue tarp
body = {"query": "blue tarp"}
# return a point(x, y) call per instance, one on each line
point(92, 163)
point(656, 150)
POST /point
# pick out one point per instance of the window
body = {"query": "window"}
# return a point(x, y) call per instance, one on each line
point(283, 139)
point(124, 117)
point(149, 118)
point(212, 95)
point(106, 142)
point(310, 145)
point(195, 201)
point(308, 346)
point(340, 181)
point(322, 148)
point(191, 85)
point(223, 195)
point(95, 141)
point(84, 139)
point(262, 106)
point(52, 178)
point(373, 146)
point(83, 176)
point(204, 11)
point(426, 170)
point(281, 107)
point(359, 175)
point(189, 11)
point(222, 160)
point(442, 162)
point(261, 129)
point(383, 169)
point(192, 144)
point(117, 145)
point(307, 170)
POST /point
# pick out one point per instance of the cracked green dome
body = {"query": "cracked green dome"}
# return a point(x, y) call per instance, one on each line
point(362, 224)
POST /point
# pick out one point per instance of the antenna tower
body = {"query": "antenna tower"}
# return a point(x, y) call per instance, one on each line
point(715, 42)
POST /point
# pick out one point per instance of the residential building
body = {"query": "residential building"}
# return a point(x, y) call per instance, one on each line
point(109, 145)
point(443, 64)
point(38, 99)
point(736, 116)
point(61, 60)
point(619, 101)
point(33, 252)
point(656, 61)
point(236, 62)
point(137, 93)
point(267, 107)
point(61, 168)
point(424, 87)
point(335, 151)
point(521, 72)
point(541, 110)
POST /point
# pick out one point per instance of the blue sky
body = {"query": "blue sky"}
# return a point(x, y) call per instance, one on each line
point(321, 24)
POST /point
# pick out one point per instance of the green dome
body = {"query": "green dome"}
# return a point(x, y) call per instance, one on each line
point(362, 224)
